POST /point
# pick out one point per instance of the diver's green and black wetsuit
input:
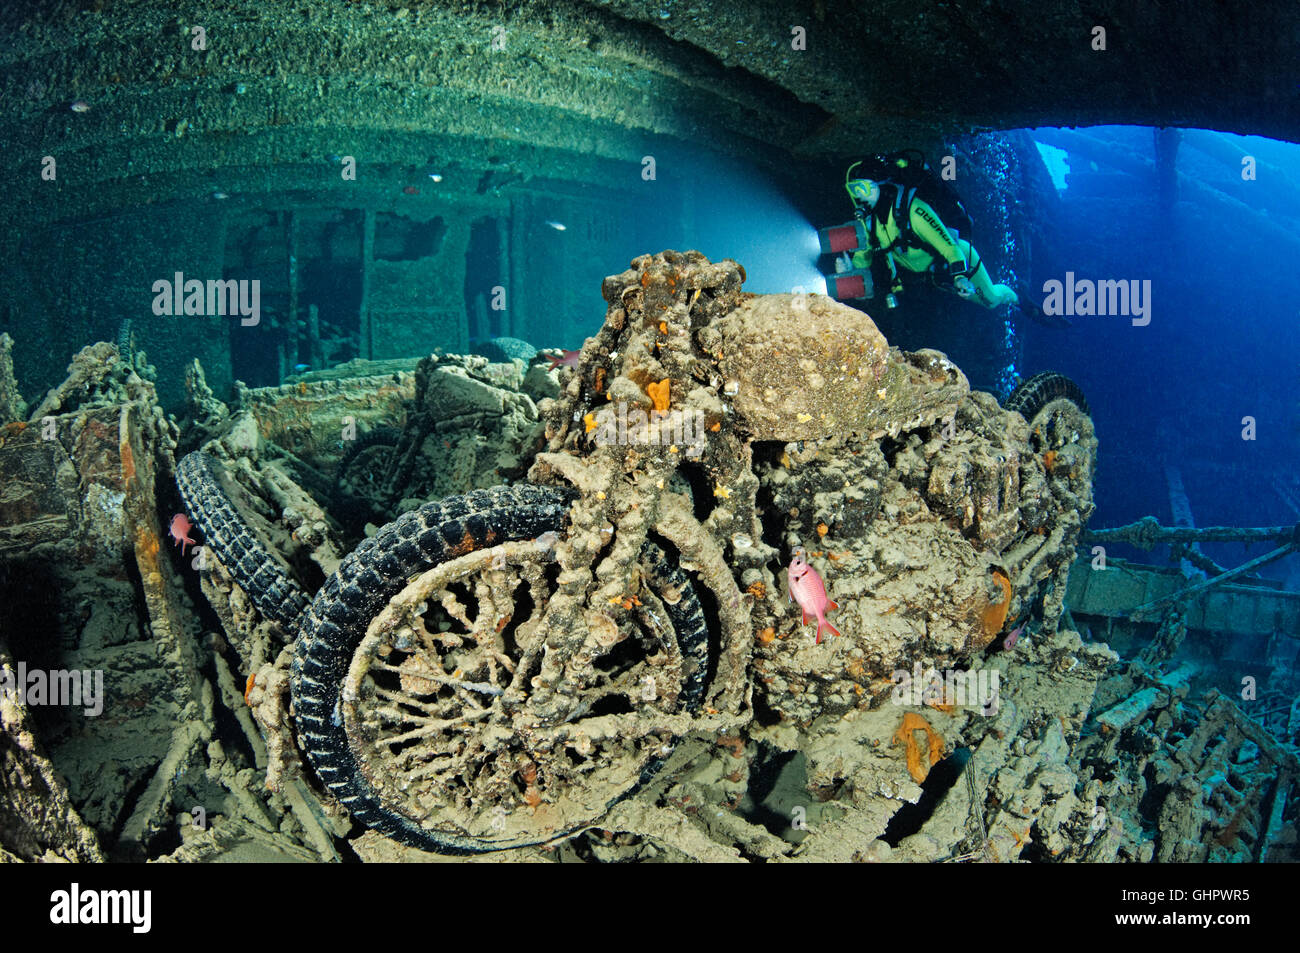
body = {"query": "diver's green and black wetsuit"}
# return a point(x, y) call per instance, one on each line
point(928, 242)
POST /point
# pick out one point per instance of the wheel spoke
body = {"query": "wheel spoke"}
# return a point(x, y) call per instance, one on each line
point(443, 712)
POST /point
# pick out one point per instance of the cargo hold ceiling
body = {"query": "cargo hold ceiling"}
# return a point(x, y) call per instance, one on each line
point(278, 93)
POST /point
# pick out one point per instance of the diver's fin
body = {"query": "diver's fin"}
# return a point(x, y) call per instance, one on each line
point(1030, 308)
point(1058, 321)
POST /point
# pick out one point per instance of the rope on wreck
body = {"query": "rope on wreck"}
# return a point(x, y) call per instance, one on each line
point(1147, 533)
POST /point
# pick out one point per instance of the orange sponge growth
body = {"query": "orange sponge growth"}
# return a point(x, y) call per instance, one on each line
point(996, 614)
point(147, 547)
point(128, 462)
point(659, 394)
point(919, 765)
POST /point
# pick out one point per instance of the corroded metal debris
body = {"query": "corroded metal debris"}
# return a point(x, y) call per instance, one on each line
point(601, 665)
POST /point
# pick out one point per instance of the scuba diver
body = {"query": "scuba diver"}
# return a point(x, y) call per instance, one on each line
point(905, 211)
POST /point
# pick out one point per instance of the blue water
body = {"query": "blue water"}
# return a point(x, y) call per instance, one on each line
point(1222, 343)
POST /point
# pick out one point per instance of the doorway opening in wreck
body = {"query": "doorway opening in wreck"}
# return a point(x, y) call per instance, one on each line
point(484, 290)
point(308, 263)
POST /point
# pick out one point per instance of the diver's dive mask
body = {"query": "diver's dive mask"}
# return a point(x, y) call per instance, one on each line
point(863, 192)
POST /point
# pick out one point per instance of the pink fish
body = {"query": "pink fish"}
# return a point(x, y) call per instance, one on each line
point(180, 529)
point(1013, 636)
point(807, 588)
point(566, 359)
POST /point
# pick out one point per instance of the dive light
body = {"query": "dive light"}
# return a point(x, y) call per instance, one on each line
point(841, 238)
point(852, 283)
point(849, 285)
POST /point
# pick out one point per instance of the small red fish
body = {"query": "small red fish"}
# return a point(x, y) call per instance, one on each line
point(180, 529)
point(1013, 637)
point(807, 588)
point(411, 190)
point(567, 359)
